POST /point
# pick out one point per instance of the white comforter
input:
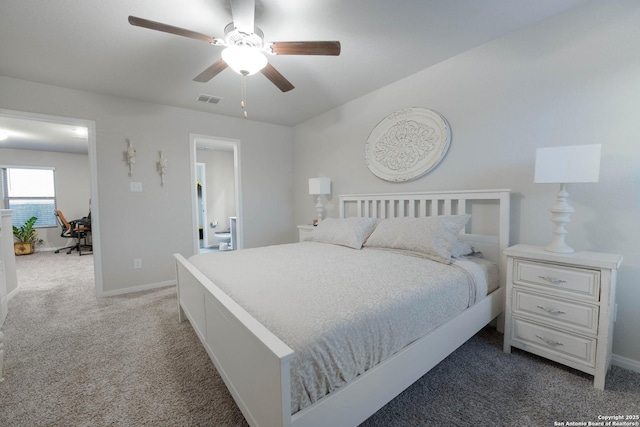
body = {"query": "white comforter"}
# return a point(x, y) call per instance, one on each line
point(341, 310)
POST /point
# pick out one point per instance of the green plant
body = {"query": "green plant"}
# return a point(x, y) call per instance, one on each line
point(27, 233)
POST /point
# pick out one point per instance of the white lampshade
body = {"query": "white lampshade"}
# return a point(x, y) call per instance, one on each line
point(569, 164)
point(320, 185)
point(244, 60)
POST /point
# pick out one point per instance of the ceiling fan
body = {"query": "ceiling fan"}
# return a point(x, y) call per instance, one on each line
point(245, 46)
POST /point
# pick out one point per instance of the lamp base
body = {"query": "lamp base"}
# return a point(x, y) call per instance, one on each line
point(560, 215)
point(561, 248)
point(320, 209)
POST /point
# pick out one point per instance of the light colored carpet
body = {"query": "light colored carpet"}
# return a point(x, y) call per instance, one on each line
point(75, 360)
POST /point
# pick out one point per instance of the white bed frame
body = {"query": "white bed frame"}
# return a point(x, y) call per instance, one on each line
point(254, 363)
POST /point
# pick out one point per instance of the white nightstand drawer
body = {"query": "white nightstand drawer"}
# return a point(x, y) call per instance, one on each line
point(555, 311)
point(553, 344)
point(572, 282)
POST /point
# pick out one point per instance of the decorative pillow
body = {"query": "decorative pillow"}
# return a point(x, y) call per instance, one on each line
point(351, 232)
point(432, 236)
point(461, 249)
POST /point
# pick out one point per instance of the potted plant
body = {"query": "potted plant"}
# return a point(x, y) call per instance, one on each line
point(26, 237)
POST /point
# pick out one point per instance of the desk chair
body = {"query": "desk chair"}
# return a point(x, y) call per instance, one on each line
point(74, 229)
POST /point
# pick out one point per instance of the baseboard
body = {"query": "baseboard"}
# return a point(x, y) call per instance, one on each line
point(140, 288)
point(13, 293)
point(623, 362)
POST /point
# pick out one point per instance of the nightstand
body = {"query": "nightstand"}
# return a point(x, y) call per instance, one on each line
point(561, 307)
point(304, 232)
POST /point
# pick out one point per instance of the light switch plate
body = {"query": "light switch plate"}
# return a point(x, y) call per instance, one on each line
point(136, 187)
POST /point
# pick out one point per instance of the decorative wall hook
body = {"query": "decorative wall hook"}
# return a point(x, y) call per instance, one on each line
point(130, 156)
point(162, 166)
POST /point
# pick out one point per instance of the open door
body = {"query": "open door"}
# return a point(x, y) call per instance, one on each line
point(215, 221)
point(201, 204)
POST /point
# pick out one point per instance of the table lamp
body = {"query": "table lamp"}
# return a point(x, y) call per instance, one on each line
point(318, 187)
point(565, 165)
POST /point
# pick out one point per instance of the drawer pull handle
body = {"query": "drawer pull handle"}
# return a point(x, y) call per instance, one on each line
point(551, 310)
point(550, 342)
point(552, 280)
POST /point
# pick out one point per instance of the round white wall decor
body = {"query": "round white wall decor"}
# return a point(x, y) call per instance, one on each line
point(407, 144)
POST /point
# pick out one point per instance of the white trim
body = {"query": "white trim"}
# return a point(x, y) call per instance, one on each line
point(203, 186)
point(132, 289)
point(95, 212)
point(625, 363)
point(13, 293)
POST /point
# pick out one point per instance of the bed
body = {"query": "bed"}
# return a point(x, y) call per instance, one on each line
point(257, 365)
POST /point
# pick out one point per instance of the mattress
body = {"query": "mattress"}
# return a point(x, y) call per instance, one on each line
point(343, 310)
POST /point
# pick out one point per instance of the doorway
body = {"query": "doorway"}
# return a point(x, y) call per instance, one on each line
point(201, 204)
point(43, 133)
point(216, 193)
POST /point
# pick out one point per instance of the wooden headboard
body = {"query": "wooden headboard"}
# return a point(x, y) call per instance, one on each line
point(487, 231)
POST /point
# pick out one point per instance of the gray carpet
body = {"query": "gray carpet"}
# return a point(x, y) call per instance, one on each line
point(75, 360)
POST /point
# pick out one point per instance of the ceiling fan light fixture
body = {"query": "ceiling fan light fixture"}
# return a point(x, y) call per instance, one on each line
point(244, 60)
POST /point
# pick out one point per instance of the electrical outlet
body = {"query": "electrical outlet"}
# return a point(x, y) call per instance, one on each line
point(137, 263)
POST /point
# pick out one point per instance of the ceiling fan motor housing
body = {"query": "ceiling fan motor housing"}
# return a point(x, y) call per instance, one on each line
point(233, 37)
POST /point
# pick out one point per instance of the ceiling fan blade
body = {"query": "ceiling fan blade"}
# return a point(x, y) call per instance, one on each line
point(211, 72)
point(277, 78)
point(158, 26)
point(306, 48)
point(243, 12)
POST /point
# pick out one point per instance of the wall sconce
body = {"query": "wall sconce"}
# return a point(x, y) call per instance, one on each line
point(162, 167)
point(130, 156)
point(318, 187)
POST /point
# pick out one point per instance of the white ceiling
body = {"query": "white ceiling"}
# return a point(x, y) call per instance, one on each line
point(36, 134)
point(89, 45)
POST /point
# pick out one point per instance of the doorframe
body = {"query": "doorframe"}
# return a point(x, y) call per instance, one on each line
point(93, 178)
point(215, 141)
point(205, 233)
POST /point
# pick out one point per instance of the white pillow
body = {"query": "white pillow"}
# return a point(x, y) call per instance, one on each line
point(432, 237)
point(462, 249)
point(351, 232)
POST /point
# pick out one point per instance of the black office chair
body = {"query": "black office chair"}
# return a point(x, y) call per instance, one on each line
point(74, 229)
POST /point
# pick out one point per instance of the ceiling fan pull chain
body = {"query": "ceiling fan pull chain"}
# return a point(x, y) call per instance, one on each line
point(244, 95)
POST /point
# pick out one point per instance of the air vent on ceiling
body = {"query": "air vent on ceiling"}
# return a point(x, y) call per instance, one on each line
point(210, 99)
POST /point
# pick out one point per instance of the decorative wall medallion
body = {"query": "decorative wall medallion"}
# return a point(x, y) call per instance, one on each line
point(407, 144)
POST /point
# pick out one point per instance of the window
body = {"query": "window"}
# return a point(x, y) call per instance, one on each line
point(30, 192)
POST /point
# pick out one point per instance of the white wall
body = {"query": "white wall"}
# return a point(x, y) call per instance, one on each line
point(154, 224)
point(573, 79)
point(72, 186)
